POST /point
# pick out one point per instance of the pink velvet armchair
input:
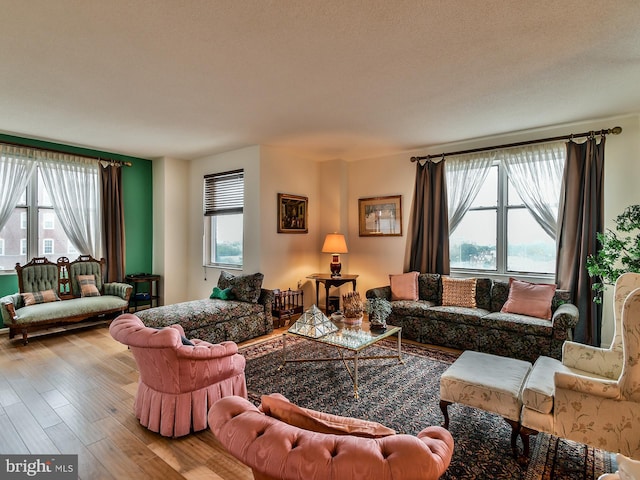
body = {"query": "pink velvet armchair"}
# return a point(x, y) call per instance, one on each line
point(178, 382)
point(274, 449)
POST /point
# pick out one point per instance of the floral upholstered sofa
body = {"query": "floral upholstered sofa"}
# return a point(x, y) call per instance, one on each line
point(239, 309)
point(482, 327)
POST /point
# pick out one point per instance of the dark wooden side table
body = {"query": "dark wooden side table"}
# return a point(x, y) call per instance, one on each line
point(330, 281)
point(143, 297)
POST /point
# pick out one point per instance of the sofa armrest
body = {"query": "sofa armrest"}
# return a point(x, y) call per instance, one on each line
point(600, 361)
point(588, 385)
point(266, 298)
point(8, 306)
point(379, 292)
point(202, 350)
point(565, 318)
point(122, 290)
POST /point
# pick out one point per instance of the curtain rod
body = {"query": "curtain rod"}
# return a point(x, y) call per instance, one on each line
point(97, 159)
point(592, 133)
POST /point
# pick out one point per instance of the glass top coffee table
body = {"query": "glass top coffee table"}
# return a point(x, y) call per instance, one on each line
point(350, 343)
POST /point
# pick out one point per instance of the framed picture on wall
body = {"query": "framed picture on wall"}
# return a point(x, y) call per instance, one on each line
point(292, 213)
point(380, 216)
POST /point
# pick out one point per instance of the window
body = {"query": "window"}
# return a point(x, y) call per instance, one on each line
point(71, 249)
point(223, 218)
point(47, 246)
point(2, 246)
point(48, 220)
point(33, 213)
point(499, 234)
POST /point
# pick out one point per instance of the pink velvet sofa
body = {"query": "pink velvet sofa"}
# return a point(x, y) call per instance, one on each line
point(180, 379)
point(277, 450)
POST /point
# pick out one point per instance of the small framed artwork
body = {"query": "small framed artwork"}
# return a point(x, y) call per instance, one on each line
point(292, 213)
point(380, 216)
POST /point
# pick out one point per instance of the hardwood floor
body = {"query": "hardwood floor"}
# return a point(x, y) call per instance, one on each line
point(73, 393)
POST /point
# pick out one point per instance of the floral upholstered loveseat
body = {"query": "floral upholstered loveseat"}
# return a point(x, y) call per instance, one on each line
point(483, 328)
point(240, 312)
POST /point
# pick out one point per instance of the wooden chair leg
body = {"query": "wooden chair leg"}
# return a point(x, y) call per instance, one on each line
point(443, 406)
point(24, 336)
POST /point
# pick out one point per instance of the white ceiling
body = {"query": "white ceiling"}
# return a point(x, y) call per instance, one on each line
point(345, 79)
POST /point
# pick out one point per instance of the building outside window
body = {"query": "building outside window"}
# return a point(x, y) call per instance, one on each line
point(223, 219)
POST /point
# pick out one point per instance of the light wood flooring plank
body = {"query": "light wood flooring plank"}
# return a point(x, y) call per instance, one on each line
point(10, 441)
point(68, 443)
point(29, 430)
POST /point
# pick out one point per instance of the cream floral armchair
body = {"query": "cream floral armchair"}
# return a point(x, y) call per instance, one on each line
point(606, 362)
point(593, 395)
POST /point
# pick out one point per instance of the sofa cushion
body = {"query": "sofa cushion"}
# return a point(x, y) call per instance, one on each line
point(430, 287)
point(87, 285)
point(245, 288)
point(57, 311)
point(277, 406)
point(454, 314)
point(532, 299)
point(404, 286)
point(33, 298)
point(458, 292)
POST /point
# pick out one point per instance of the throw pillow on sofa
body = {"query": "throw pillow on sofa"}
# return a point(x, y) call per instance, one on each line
point(245, 288)
point(278, 406)
point(221, 294)
point(531, 299)
point(404, 286)
point(34, 298)
point(459, 292)
point(88, 286)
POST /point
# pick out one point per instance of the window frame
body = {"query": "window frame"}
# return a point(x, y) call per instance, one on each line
point(230, 202)
point(502, 209)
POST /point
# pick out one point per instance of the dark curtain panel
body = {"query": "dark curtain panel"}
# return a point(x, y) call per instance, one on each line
point(113, 222)
point(580, 217)
point(429, 222)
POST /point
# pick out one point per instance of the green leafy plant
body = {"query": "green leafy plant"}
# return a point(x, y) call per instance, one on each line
point(378, 308)
point(619, 252)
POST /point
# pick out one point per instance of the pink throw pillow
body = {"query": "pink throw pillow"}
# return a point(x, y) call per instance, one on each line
point(404, 286)
point(279, 407)
point(532, 299)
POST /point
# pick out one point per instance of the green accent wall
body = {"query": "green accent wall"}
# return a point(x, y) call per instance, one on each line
point(137, 186)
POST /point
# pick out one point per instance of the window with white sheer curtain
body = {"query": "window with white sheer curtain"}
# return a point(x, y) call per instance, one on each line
point(503, 208)
point(47, 201)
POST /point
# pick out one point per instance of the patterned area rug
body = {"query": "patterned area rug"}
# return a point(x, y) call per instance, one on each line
point(405, 397)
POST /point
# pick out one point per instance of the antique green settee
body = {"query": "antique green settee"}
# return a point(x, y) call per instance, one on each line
point(51, 294)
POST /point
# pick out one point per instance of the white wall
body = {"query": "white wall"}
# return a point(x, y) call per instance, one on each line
point(200, 281)
point(288, 258)
point(170, 227)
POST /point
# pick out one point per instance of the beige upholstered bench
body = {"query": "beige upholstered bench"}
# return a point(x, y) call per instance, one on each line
point(488, 382)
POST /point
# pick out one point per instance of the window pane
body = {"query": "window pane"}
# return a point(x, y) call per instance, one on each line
point(43, 196)
point(473, 243)
point(14, 237)
point(226, 239)
point(513, 196)
point(529, 248)
point(488, 194)
point(53, 241)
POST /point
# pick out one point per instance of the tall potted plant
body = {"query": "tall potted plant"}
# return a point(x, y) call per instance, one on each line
point(619, 252)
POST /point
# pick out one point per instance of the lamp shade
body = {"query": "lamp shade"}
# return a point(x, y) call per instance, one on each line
point(334, 243)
